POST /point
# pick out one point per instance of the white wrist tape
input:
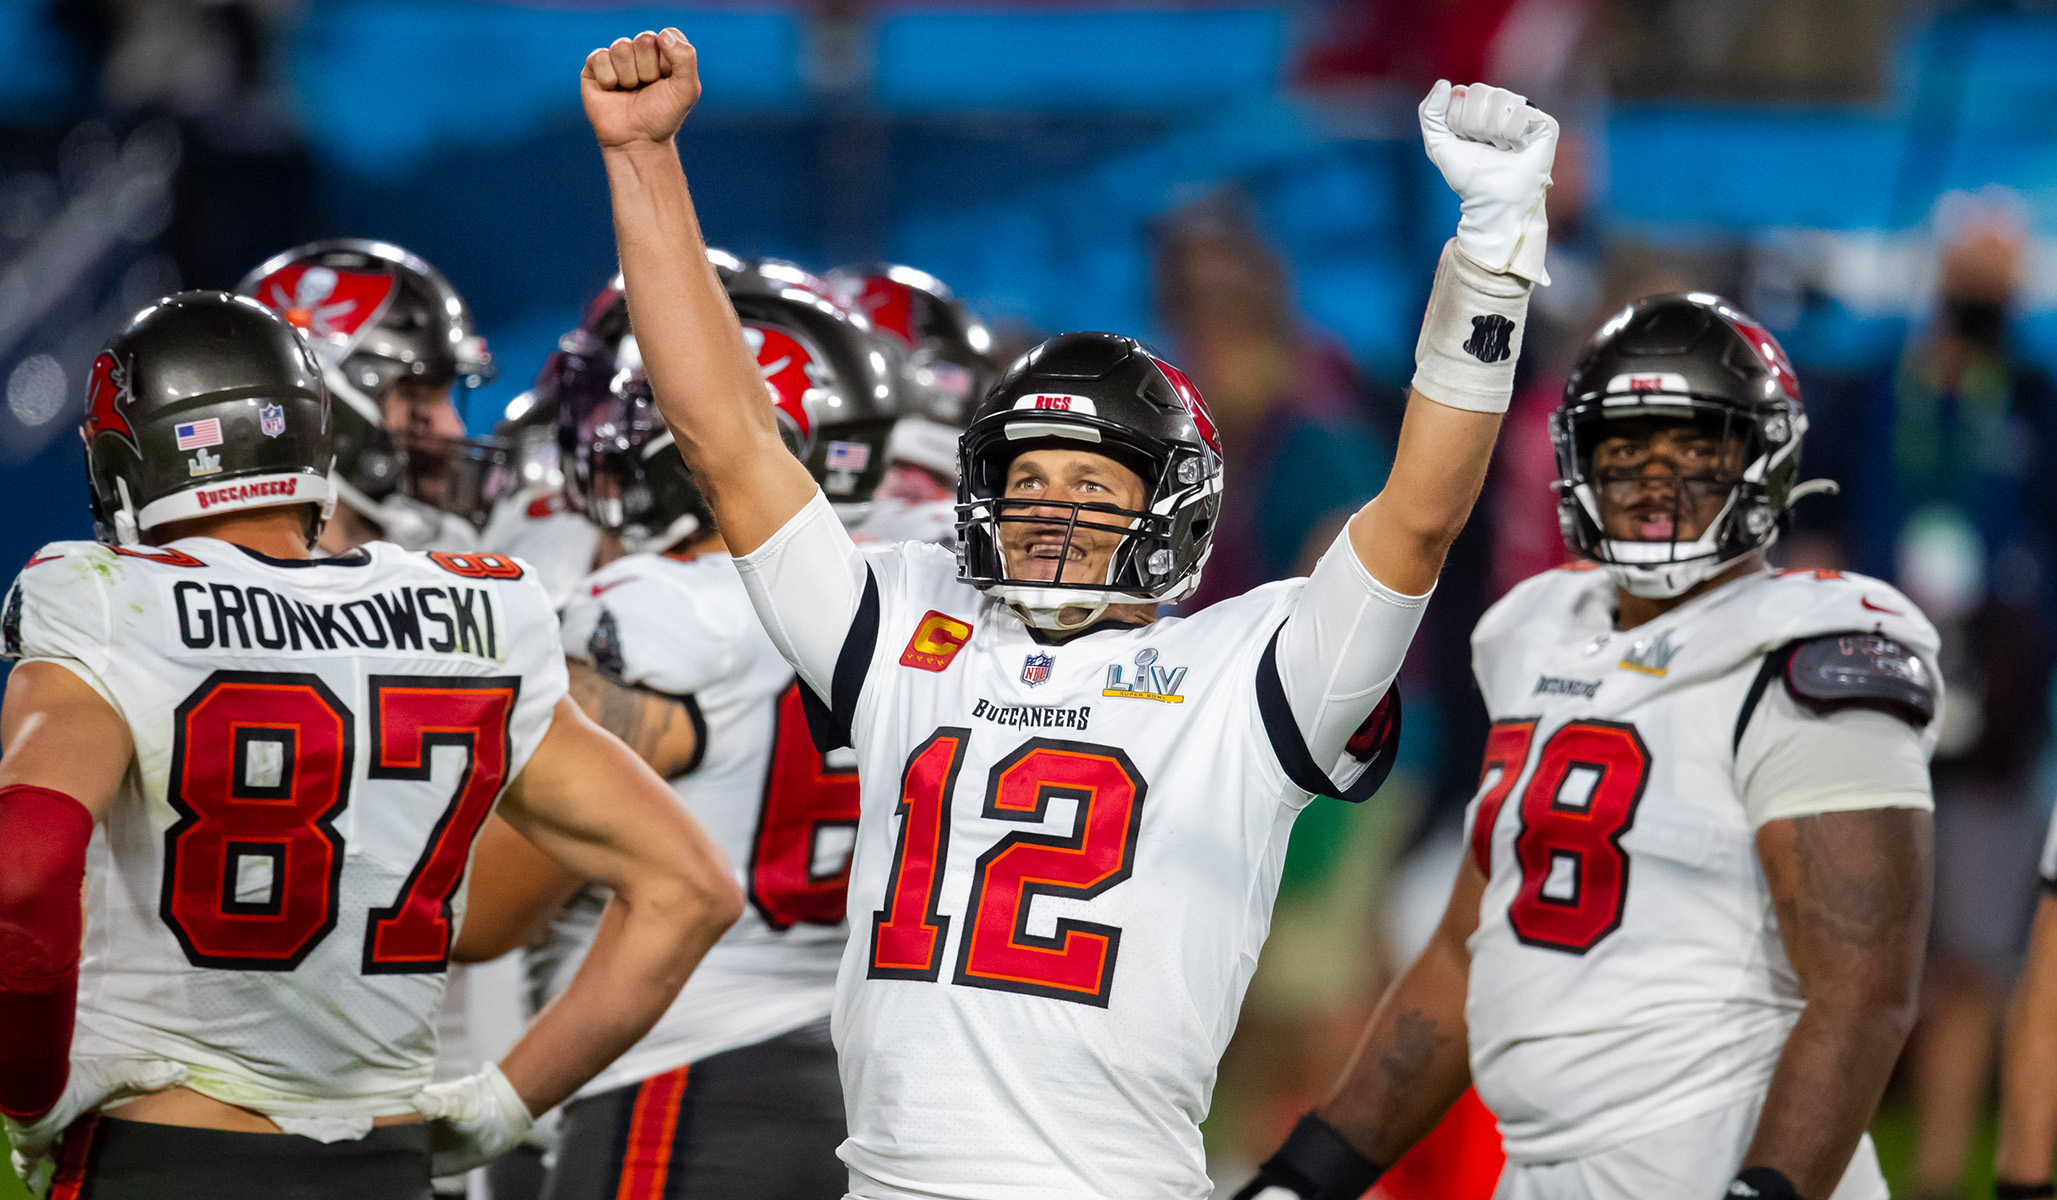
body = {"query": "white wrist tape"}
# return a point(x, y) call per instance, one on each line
point(1471, 335)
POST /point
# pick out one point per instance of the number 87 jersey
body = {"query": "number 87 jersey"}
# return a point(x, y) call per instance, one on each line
point(275, 889)
point(1627, 971)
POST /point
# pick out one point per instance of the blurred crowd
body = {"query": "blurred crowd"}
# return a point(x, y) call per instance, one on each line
point(177, 161)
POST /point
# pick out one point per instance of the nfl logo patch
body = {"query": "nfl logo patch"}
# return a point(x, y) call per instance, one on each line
point(1036, 668)
point(271, 420)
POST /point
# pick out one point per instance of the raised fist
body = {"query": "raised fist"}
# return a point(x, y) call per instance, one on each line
point(640, 89)
point(1495, 151)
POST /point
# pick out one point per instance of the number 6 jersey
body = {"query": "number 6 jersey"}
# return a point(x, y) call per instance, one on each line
point(1066, 854)
point(273, 893)
point(1627, 971)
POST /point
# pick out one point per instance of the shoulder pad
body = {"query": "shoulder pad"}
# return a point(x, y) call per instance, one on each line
point(1838, 670)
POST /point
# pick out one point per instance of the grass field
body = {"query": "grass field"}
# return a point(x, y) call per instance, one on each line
point(1894, 1132)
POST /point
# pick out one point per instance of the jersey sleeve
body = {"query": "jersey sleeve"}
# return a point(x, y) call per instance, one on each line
point(816, 596)
point(539, 660)
point(1794, 762)
point(58, 611)
point(642, 631)
point(1336, 657)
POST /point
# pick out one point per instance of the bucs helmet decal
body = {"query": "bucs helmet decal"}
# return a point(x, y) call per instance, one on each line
point(332, 306)
point(107, 401)
point(1190, 397)
point(790, 374)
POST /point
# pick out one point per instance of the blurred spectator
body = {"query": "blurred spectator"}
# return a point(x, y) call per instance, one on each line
point(1300, 455)
point(1950, 490)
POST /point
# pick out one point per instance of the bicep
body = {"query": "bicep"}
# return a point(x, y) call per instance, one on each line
point(1851, 889)
point(57, 732)
point(588, 802)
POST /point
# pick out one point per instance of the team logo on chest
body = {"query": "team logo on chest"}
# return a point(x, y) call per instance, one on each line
point(1035, 669)
point(1651, 656)
point(1150, 681)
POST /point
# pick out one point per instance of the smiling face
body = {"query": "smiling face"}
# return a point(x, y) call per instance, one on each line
point(1037, 548)
point(1662, 480)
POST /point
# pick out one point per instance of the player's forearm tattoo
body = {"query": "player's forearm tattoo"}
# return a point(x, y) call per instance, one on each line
point(643, 721)
point(1417, 1037)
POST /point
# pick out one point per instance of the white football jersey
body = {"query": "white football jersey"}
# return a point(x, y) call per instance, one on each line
point(1627, 971)
point(890, 520)
point(783, 813)
point(1065, 866)
point(535, 526)
point(273, 894)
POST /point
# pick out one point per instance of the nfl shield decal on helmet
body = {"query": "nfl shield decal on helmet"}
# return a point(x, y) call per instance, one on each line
point(271, 419)
point(1036, 668)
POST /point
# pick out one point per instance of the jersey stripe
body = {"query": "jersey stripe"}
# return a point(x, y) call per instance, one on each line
point(646, 1161)
point(70, 1178)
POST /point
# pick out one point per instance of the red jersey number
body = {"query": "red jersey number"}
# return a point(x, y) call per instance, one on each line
point(803, 799)
point(261, 768)
point(1076, 960)
point(1579, 801)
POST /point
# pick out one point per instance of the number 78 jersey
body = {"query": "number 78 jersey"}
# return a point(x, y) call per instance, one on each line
point(1627, 970)
point(273, 894)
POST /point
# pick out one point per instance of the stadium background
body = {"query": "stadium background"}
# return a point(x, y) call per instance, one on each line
point(1239, 181)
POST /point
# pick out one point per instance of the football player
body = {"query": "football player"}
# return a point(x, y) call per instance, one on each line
point(2028, 1057)
point(1683, 951)
point(1072, 815)
point(394, 340)
point(288, 758)
point(947, 363)
point(735, 1092)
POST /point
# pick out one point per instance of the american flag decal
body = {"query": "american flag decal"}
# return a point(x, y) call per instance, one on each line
point(848, 456)
point(196, 434)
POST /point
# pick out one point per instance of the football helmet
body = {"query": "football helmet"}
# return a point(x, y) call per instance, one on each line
point(949, 352)
point(375, 315)
point(1110, 394)
point(1691, 357)
point(205, 403)
point(622, 468)
point(827, 371)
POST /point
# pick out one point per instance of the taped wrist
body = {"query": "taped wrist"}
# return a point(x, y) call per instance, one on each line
point(1317, 1163)
point(1762, 1183)
point(42, 882)
point(2003, 1190)
point(1471, 335)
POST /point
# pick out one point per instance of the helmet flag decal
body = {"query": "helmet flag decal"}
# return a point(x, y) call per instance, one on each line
point(789, 372)
point(107, 402)
point(333, 308)
point(1190, 396)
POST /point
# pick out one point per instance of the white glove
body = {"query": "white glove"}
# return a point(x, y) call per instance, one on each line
point(93, 1083)
point(1495, 152)
point(472, 1120)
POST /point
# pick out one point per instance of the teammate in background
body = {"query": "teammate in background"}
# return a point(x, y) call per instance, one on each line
point(2028, 1057)
point(1685, 946)
point(291, 756)
point(734, 1093)
point(534, 522)
point(1072, 814)
point(947, 366)
point(394, 340)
